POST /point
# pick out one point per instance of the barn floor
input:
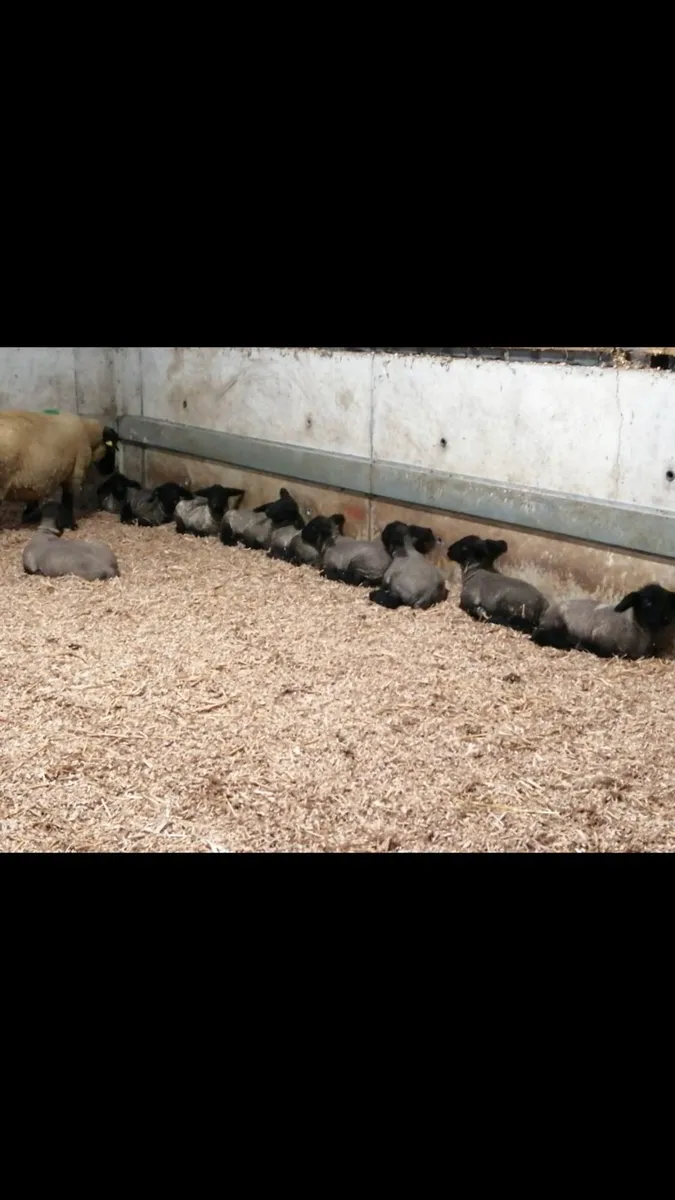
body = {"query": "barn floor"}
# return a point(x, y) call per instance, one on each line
point(212, 700)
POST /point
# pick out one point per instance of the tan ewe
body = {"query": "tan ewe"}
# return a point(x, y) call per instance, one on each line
point(40, 452)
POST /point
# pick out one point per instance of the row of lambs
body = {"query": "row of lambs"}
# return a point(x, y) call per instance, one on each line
point(395, 561)
point(40, 452)
point(395, 565)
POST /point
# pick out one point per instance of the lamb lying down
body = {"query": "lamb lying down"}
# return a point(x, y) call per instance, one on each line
point(409, 579)
point(307, 546)
point(255, 527)
point(112, 494)
point(639, 626)
point(488, 595)
point(203, 515)
point(359, 562)
point(47, 554)
point(151, 507)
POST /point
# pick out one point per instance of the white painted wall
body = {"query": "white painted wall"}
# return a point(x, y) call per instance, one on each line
point(72, 379)
point(646, 434)
point(595, 432)
point(313, 399)
point(522, 424)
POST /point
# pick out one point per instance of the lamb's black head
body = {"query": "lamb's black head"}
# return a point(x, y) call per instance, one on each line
point(472, 549)
point(317, 531)
point(130, 483)
point(393, 536)
point(169, 494)
point(271, 507)
point(219, 498)
point(116, 487)
point(424, 539)
point(54, 516)
point(110, 440)
point(654, 607)
point(217, 502)
point(284, 511)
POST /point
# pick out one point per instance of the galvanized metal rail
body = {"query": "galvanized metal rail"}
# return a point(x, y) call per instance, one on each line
point(626, 526)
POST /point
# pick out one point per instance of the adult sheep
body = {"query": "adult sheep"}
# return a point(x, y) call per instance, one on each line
point(40, 452)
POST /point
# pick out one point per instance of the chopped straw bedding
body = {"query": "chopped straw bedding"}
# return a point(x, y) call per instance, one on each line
point(211, 699)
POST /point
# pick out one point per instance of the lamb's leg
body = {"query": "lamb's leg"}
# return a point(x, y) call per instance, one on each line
point(385, 599)
point(589, 646)
point(473, 610)
point(429, 601)
point(355, 579)
point(551, 635)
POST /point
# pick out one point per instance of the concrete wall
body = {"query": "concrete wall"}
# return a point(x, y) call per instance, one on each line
point(73, 379)
point(313, 399)
point(603, 433)
point(592, 432)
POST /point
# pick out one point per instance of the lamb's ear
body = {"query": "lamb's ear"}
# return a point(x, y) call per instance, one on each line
point(496, 549)
point(628, 601)
point(284, 493)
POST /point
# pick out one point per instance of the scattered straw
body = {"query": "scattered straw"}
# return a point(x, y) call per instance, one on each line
point(212, 700)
